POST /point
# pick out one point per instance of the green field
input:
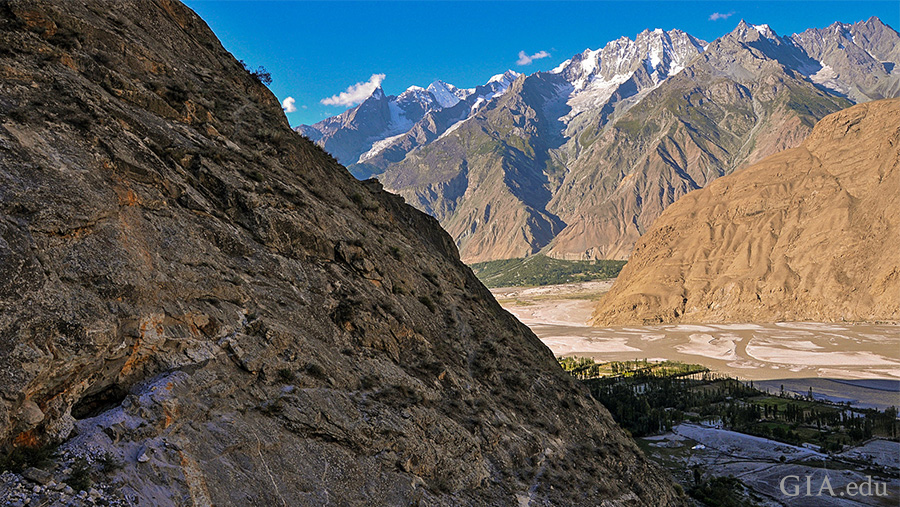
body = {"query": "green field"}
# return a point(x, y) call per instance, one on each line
point(543, 270)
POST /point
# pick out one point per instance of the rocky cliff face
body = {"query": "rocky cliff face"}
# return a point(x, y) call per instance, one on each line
point(806, 234)
point(211, 300)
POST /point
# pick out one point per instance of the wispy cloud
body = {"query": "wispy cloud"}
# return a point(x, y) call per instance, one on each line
point(355, 94)
point(718, 15)
point(289, 105)
point(526, 59)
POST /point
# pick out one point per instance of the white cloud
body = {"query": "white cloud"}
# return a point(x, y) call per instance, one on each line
point(718, 15)
point(289, 105)
point(355, 94)
point(525, 59)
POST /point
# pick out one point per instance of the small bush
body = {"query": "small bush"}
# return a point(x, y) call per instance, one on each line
point(316, 370)
point(425, 300)
point(285, 375)
point(261, 74)
point(109, 463)
point(80, 478)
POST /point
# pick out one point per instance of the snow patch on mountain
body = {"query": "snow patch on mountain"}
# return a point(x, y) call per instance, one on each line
point(379, 146)
point(446, 94)
point(507, 77)
point(559, 68)
point(827, 77)
point(453, 127)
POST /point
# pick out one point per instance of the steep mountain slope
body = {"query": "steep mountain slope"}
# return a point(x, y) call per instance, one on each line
point(584, 158)
point(206, 296)
point(806, 234)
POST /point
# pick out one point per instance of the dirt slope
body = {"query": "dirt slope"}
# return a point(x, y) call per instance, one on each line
point(811, 233)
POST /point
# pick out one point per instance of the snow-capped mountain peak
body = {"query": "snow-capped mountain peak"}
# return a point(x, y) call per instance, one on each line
point(747, 32)
point(765, 31)
point(446, 94)
point(416, 94)
point(662, 53)
point(508, 77)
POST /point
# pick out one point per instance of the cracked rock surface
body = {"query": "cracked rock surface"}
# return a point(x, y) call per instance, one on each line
point(196, 293)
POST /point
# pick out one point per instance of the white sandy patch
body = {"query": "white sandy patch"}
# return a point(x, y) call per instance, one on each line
point(737, 327)
point(563, 345)
point(811, 326)
point(747, 365)
point(690, 328)
point(880, 337)
point(786, 342)
point(882, 373)
point(706, 345)
point(571, 312)
point(798, 357)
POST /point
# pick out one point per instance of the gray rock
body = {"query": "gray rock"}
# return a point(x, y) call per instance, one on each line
point(30, 414)
point(37, 475)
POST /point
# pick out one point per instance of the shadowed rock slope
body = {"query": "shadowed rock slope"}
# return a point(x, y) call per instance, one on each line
point(196, 290)
point(807, 234)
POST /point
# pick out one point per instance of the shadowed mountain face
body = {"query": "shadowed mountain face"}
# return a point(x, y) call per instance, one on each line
point(195, 289)
point(578, 162)
point(806, 234)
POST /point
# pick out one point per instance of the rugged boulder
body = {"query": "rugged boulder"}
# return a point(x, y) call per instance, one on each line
point(193, 290)
point(807, 234)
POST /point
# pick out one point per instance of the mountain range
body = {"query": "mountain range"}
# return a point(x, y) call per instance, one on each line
point(577, 162)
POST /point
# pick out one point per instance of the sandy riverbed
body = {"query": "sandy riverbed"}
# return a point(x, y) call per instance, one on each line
point(559, 315)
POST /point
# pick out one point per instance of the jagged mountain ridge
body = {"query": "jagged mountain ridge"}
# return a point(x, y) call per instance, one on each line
point(803, 235)
point(371, 128)
point(208, 297)
point(613, 136)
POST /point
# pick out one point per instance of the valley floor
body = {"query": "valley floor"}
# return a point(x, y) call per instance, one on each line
point(837, 360)
point(856, 363)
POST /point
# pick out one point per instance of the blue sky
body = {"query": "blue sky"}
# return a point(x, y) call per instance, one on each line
point(316, 50)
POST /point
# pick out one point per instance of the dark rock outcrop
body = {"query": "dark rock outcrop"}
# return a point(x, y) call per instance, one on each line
point(191, 289)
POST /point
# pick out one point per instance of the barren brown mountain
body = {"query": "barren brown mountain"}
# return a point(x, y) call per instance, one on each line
point(810, 233)
point(194, 292)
